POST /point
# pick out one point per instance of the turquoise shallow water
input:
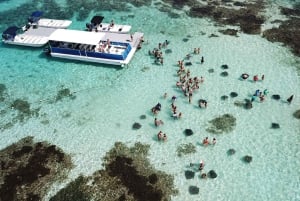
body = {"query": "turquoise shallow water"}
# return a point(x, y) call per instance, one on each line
point(109, 100)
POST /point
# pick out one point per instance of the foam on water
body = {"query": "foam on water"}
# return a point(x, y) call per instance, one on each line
point(109, 100)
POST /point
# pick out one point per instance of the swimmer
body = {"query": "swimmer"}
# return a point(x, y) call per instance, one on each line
point(289, 100)
point(160, 135)
point(244, 76)
point(261, 98)
point(257, 92)
point(174, 98)
point(202, 60)
point(266, 92)
point(158, 122)
point(203, 175)
point(165, 137)
point(201, 166)
point(262, 77)
point(214, 141)
point(165, 95)
point(255, 78)
point(205, 141)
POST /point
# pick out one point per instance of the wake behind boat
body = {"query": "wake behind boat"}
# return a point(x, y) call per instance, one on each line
point(36, 20)
point(97, 26)
point(107, 48)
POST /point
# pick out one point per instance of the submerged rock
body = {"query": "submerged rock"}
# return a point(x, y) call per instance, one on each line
point(224, 67)
point(211, 70)
point(247, 159)
point(212, 174)
point(136, 126)
point(143, 116)
point(297, 114)
point(168, 51)
point(188, 132)
point(231, 152)
point(224, 74)
point(275, 125)
point(193, 190)
point(189, 174)
point(188, 63)
point(233, 94)
point(276, 97)
point(224, 97)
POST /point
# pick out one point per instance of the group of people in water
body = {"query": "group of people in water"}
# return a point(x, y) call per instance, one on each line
point(187, 83)
point(157, 53)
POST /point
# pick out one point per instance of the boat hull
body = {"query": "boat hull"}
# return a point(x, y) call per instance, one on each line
point(90, 59)
point(25, 44)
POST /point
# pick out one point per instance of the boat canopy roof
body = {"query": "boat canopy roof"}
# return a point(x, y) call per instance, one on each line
point(12, 31)
point(97, 19)
point(35, 16)
point(75, 36)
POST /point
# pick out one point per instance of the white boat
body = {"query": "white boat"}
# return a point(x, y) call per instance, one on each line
point(33, 37)
point(36, 20)
point(107, 48)
point(97, 26)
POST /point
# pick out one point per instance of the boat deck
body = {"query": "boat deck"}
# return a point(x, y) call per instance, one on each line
point(52, 23)
point(117, 28)
point(39, 31)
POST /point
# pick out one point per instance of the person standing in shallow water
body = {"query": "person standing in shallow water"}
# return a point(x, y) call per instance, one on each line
point(202, 60)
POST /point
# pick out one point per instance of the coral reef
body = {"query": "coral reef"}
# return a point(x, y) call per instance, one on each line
point(63, 93)
point(221, 124)
point(185, 149)
point(2, 92)
point(28, 169)
point(288, 31)
point(127, 176)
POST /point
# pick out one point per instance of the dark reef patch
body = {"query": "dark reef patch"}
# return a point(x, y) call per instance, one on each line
point(287, 33)
point(222, 124)
point(185, 149)
point(230, 32)
point(63, 93)
point(2, 92)
point(248, 17)
point(127, 176)
point(28, 169)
